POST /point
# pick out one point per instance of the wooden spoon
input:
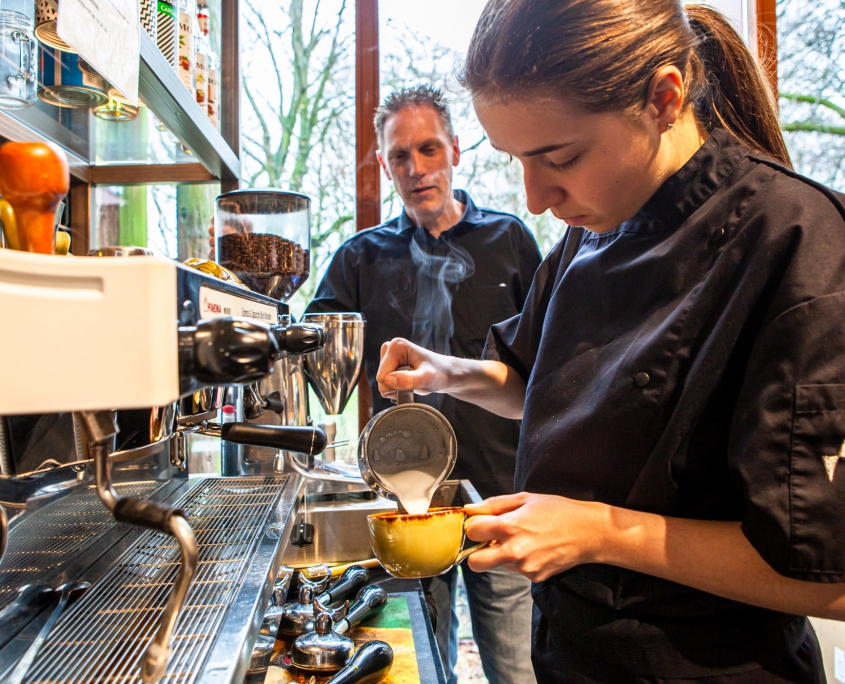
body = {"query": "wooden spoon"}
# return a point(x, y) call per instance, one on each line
point(34, 178)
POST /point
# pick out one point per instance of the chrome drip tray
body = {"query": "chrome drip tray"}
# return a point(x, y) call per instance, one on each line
point(237, 523)
point(44, 543)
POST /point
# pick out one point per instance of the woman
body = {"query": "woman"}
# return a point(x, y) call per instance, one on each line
point(679, 365)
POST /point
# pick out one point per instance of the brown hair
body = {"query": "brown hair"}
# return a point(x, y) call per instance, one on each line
point(418, 96)
point(603, 55)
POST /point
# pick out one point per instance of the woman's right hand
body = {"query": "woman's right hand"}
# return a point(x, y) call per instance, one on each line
point(430, 372)
point(489, 384)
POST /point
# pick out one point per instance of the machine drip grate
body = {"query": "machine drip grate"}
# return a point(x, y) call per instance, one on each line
point(46, 539)
point(104, 636)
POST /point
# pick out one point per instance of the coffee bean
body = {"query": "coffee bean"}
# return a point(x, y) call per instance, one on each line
point(267, 263)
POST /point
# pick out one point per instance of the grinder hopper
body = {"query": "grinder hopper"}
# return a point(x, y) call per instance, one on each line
point(333, 370)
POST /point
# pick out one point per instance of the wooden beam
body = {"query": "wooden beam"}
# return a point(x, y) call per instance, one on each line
point(368, 175)
point(80, 219)
point(767, 41)
point(230, 80)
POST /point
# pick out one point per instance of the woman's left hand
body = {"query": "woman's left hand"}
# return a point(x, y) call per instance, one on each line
point(537, 535)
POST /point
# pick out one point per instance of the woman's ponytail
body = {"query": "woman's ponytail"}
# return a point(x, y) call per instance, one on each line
point(727, 87)
point(603, 54)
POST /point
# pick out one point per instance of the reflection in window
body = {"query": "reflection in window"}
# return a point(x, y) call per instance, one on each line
point(171, 220)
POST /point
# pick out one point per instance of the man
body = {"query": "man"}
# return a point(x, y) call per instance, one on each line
point(441, 274)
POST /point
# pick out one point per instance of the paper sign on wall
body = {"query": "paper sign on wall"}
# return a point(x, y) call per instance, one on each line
point(107, 35)
point(839, 664)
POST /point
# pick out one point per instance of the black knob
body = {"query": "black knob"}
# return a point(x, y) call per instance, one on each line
point(369, 665)
point(226, 351)
point(299, 338)
point(302, 535)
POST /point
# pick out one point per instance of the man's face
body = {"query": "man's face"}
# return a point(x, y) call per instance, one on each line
point(418, 155)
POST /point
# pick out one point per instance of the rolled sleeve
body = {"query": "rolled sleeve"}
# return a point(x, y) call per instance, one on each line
point(788, 442)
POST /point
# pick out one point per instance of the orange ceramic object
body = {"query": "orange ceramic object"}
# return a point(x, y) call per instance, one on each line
point(34, 178)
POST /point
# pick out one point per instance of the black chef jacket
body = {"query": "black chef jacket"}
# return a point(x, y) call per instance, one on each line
point(690, 363)
point(373, 272)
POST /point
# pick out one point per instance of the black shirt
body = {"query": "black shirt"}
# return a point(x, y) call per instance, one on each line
point(691, 363)
point(390, 274)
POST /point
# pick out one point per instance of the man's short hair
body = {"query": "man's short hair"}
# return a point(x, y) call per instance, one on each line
point(417, 96)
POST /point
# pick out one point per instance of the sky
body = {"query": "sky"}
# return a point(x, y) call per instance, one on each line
point(462, 15)
point(428, 19)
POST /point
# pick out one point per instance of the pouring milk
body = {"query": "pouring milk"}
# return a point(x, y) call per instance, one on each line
point(411, 462)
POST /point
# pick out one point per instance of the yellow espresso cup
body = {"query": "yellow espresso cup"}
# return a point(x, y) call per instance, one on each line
point(421, 545)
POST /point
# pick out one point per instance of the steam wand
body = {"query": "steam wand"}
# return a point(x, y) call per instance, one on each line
point(101, 428)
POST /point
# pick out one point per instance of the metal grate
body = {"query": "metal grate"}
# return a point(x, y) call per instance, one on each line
point(45, 540)
point(104, 637)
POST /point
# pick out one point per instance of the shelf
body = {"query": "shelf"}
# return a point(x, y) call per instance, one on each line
point(134, 152)
point(176, 108)
point(141, 174)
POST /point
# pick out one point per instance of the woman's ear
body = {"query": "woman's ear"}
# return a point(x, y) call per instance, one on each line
point(666, 97)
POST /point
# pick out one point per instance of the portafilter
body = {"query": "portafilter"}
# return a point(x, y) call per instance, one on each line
point(327, 649)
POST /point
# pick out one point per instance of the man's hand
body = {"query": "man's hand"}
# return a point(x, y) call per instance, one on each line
point(540, 535)
point(537, 535)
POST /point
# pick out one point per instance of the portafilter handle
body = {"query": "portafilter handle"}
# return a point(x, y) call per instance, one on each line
point(369, 665)
point(370, 602)
point(354, 578)
point(301, 439)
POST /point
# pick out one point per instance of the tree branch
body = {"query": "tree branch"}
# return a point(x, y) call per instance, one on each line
point(813, 99)
point(810, 127)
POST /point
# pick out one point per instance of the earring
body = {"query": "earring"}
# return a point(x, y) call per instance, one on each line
point(669, 126)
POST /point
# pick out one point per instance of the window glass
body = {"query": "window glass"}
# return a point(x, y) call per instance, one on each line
point(298, 129)
point(811, 83)
point(172, 220)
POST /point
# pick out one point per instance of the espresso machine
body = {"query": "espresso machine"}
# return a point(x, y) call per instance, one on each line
point(120, 564)
point(141, 332)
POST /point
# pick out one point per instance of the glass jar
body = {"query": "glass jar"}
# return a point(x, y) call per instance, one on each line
point(264, 236)
point(18, 60)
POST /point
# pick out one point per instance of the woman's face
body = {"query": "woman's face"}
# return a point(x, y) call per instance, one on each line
point(591, 170)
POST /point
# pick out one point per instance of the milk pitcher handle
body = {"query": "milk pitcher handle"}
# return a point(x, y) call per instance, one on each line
point(472, 549)
point(406, 396)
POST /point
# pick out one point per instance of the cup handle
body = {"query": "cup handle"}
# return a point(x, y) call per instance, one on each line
point(472, 549)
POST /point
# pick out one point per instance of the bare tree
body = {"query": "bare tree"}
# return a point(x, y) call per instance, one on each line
point(299, 85)
point(811, 73)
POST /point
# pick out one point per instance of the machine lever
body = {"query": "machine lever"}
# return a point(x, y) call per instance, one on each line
point(101, 429)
